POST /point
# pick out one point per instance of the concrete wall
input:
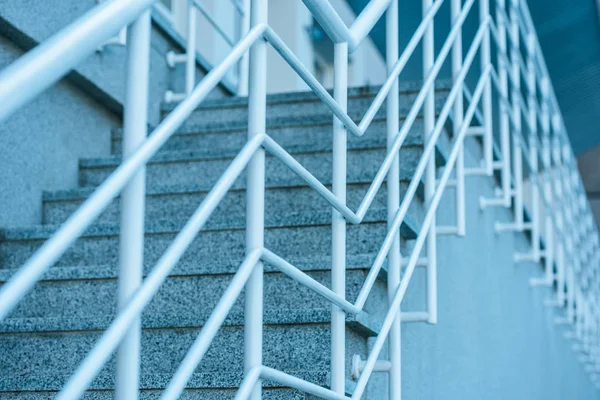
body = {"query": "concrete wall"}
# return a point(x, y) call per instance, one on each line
point(494, 338)
point(40, 145)
point(102, 74)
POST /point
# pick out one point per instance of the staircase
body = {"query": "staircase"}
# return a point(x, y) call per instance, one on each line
point(47, 336)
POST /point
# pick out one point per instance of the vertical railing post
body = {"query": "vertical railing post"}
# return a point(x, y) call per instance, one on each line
point(457, 119)
point(190, 50)
point(504, 118)
point(243, 67)
point(486, 101)
point(131, 240)
point(533, 148)
point(393, 202)
point(516, 110)
point(338, 222)
point(549, 241)
point(255, 198)
point(428, 125)
point(505, 196)
point(558, 210)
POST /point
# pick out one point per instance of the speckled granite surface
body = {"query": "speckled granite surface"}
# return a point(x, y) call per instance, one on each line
point(59, 321)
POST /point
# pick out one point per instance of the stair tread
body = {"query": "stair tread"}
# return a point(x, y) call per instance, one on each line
point(362, 322)
point(199, 380)
point(222, 154)
point(405, 87)
point(78, 272)
point(41, 232)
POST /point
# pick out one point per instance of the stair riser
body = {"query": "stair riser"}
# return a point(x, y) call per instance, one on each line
point(179, 206)
point(301, 134)
point(362, 167)
point(309, 109)
point(184, 300)
point(286, 347)
point(226, 246)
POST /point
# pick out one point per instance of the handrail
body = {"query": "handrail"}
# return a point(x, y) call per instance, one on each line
point(337, 30)
point(569, 205)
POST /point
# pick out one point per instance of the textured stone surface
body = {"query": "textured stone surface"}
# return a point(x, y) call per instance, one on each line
point(183, 299)
point(179, 202)
point(291, 236)
point(190, 167)
point(290, 348)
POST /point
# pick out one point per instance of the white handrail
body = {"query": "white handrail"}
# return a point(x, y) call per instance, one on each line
point(337, 30)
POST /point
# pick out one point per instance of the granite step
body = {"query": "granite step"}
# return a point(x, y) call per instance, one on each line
point(191, 167)
point(178, 202)
point(304, 106)
point(202, 385)
point(187, 297)
point(289, 236)
point(213, 138)
point(302, 345)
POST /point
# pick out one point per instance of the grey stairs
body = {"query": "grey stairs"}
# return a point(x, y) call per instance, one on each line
point(50, 332)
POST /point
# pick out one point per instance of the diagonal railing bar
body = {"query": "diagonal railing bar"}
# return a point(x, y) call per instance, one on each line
point(308, 387)
point(338, 112)
point(92, 364)
point(398, 297)
point(335, 27)
point(419, 171)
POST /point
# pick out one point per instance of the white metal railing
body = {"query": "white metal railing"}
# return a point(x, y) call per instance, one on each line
point(189, 56)
point(569, 241)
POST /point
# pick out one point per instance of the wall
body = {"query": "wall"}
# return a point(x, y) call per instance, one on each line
point(40, 145)
point(101, 75)
point(494, 338)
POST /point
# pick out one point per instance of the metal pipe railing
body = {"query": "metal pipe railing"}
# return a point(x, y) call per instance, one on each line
point(564, 243)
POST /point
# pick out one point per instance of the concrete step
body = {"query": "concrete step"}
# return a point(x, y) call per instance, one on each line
point(202, 385)
point(190, 168)
point(178, 202)
point(188, 298)
point(303, 345)
point(301, 106)
point(269, 393)
point(223, 242)
point(210, 138)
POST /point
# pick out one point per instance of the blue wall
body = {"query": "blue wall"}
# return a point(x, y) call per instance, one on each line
point(494, 339)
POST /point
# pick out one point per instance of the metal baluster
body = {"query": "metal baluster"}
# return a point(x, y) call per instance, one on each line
point(559, 213)
point(131, 240)
point(533, 149)
point(190, 50)
point(338, 222)
point(255, 213)
point(393, 203)
point(486, 100)
point(517, 150)
point(243, 67)
point(457, 121)
point(517, 133)
point(504, 198)
point(428, 125)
